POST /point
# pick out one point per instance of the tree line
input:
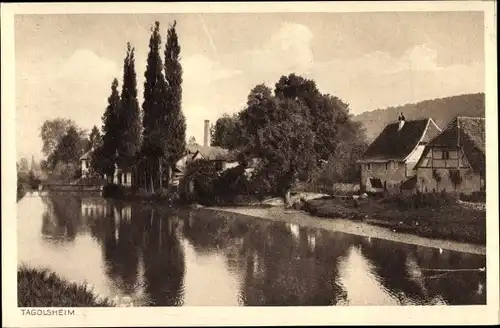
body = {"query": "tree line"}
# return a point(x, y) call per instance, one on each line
point(63, 144)
point(28, 176)
point(150, 140)
point(299, 134)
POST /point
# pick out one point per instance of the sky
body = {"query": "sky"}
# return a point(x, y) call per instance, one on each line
point(65, 63)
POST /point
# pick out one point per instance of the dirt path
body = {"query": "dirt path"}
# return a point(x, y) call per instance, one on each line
point(351, 227)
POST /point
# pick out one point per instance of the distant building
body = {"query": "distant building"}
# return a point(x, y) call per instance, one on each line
point(223, 158)
point(85, 164)
point(454, 161)
point(389, 160)
point(122, 177)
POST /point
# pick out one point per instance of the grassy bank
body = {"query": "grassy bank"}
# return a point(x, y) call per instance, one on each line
point(41, 288)
point(438, 217)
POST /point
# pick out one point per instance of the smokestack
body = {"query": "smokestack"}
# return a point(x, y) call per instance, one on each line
point(206, 135)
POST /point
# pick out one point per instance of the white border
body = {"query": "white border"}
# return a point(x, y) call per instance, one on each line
point(223, 316)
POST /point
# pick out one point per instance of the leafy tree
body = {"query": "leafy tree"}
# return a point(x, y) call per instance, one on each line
point(129, 124)
point(95, 138)
point(111, 136)
point(282, 138)
point(52, 132)
point(23, 164)
point(33, 180)
point(65, 172)
point(260, 110)
point(153, 109)
point(225, 132)
point(174, 142)
point(349, 144)
point(292, 130)
point(297, 88)
point(69, 149)
point(326, 113)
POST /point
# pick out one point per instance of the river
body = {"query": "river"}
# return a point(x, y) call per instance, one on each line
point(142, 255)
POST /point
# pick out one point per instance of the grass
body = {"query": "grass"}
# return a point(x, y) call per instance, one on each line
point(42, 288)
point(442, 219)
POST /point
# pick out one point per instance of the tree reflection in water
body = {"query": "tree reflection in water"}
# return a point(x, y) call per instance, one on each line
point(278, 263)
point(142, 253)
point(409, 273)
point(61, 219)
point(274, 263)
point(163, 259)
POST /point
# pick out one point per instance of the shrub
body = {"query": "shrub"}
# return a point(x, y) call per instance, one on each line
point(475, 197)
point(420, 200)
point(112, 190)
point(217, 188)
point(65, 172)
point(455, 177)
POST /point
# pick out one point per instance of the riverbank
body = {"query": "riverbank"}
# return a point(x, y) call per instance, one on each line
point(41, 288)
point(432, 216)
point(352, 227)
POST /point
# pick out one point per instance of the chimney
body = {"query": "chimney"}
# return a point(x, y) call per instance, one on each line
point(206, 135)
point(401, 120)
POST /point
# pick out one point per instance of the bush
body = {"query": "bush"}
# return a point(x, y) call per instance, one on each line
point(112, 190)
point(475, 197)
point(420, 200)
point(218, 188)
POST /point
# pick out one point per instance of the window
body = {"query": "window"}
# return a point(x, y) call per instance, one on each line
point(124, 177)
point(445, 155)
point(395, 166)
point(369, 167)
point(386, 166)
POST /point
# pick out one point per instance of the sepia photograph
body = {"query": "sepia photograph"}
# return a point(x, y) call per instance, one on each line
point(204, 157)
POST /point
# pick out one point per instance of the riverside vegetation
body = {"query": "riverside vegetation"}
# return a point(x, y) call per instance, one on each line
point(439, 216)
point(42, 288)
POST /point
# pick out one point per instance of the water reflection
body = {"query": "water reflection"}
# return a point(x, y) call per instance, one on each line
point(156, 257)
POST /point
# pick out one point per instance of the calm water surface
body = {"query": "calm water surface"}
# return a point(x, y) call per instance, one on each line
point(148, 256)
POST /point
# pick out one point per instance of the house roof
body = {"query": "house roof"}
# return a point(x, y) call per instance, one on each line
point(211, 153)
point(468, 133)
point(394, 144)
point(86, 155)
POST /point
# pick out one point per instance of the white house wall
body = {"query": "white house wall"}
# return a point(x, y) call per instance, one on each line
point(434, 164)
point(471, 181)
point(392, 177)
point(416, 154)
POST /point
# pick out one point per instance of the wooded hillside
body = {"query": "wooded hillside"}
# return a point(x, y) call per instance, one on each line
point(441, 110)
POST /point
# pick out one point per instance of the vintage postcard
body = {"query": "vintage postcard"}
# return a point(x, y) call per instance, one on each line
point(242, 163)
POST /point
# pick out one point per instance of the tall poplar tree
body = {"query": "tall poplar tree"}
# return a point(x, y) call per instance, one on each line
point(106, 158)
point(129, 123)
point(174, 143)
point(153, 110)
